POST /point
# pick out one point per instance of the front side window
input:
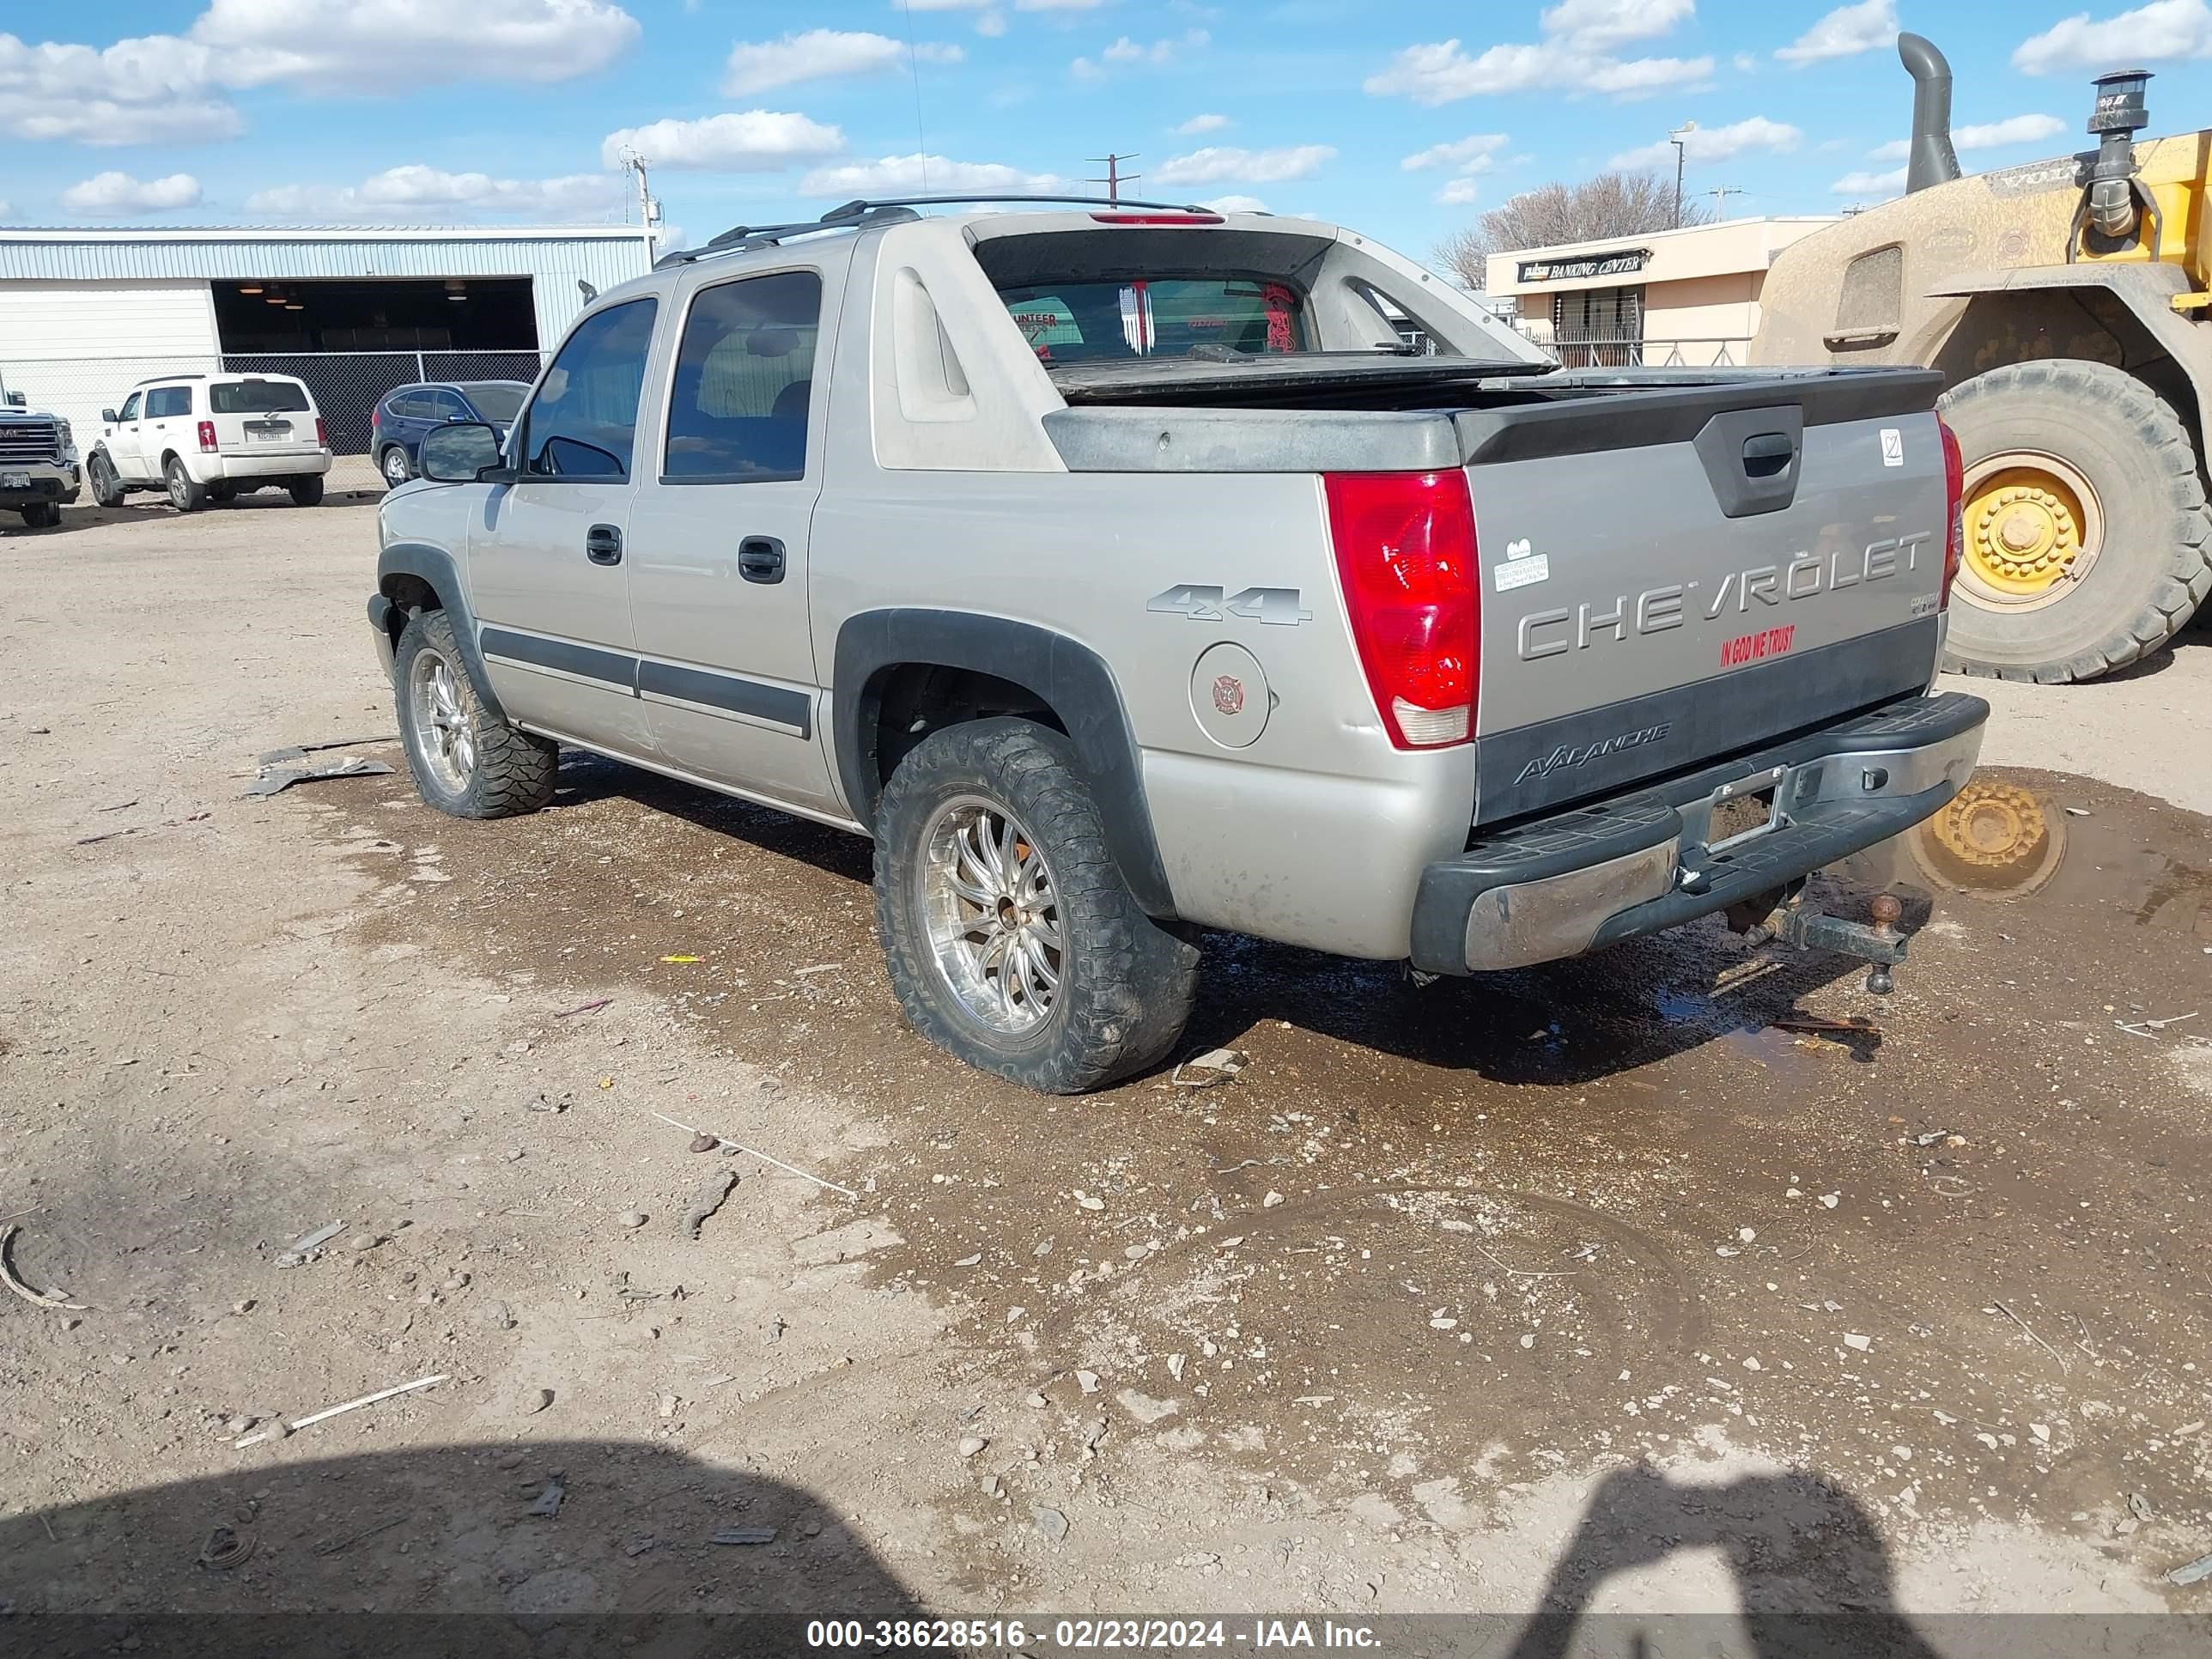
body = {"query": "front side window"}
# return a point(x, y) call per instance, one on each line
point(167, 400)
point(129, 412)
point(1166, 316)
point(745, 378)
point(256, 397)
point(583, 422)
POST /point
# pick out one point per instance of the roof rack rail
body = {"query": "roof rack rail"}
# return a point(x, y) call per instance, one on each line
point(866, 214)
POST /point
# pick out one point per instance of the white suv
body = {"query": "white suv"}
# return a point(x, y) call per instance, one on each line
point(207, 438)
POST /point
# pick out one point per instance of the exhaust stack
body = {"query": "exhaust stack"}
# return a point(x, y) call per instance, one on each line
point(1931, 160)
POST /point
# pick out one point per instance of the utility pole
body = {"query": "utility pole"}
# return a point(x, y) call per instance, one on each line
point(1114, 177)
point(1722, 193)
point(648, 204)
point(1675, 138)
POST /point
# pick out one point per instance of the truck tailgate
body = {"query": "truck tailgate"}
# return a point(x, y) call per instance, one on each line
point(1672, 573)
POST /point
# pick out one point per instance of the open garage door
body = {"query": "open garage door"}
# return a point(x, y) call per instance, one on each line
point(354, 341)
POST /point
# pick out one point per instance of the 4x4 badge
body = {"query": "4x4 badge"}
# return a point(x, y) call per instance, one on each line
point(1278, 605)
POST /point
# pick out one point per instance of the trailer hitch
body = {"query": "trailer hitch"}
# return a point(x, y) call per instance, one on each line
point(1880, 943)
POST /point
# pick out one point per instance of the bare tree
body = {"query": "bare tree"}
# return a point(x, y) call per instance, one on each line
point(1611, 205)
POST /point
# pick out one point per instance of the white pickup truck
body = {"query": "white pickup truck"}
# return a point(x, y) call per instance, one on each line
point(1121, 573)
point(38, 474)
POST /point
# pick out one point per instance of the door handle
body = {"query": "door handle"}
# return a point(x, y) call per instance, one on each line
point(760, 559)
point(603, 544)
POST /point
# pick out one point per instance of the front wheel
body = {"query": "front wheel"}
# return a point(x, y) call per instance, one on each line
point(306, 492)
point(467, 761)
point(106, 488)
point(2087, 543)
point(186, 493)
point(1012, 941)
point(42, 515)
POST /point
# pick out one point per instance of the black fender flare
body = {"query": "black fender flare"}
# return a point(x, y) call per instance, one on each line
point(1070, 679)
point(434, 566)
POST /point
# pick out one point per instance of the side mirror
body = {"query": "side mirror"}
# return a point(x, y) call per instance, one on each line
point(457, 453)
point(108, 417)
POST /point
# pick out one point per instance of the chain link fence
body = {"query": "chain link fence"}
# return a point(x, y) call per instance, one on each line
point(347, 385)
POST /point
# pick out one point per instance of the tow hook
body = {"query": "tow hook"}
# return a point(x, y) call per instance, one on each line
point(1809, 929)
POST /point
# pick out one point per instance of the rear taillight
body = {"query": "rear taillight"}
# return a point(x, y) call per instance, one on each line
point(1954, 491)
point(322, 434)
point(207, 438)
point(1406, 557)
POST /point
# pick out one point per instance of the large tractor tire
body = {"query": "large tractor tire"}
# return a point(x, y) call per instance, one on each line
point(2087, 542)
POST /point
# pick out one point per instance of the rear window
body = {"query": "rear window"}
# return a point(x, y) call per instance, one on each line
point(496, 402)
point(256, 397)
point(1166, 316)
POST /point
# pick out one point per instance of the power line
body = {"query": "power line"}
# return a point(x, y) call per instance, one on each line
point(914, 73)
point(1723, 191)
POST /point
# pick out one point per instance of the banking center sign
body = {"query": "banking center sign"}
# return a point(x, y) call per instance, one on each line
point(1625, 263)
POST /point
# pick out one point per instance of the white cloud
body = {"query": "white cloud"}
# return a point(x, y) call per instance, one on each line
point(135, 92)
point(1125, 51)
point(1715, 144)
point(1218, 165)
point(1843, 32)
point(1234, 204)
point(7, 209)
point(1199, 124)
point(991, 24)
point(2163, 30)
point(156, 87)
point(989, 20)
point(1987, 135)
point(1745, 62)
point(1457, 193)
point(741, 141)
point(342, 45)
point(820, 54)
point(1597, 25)
point(119, 193)
point(423, 193)
point(1475, 154)
point(1870, 184)
point(1057, 5)
point(1440, 73)
point(896, 175)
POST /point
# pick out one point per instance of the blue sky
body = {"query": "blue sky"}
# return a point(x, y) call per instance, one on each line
point(1404, 119)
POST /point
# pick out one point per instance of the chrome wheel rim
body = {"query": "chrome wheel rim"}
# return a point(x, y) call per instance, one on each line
point(179, 486)
point(993, 915)
point(395, 467)
point(443, 734)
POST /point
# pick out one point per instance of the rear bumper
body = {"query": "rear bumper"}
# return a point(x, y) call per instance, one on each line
point(292, 463)
point(1578, 880)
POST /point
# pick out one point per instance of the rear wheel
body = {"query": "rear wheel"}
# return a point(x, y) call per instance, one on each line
point(1011, 939)
point(186, 493)
point(394, 467)
point(2087, 542)
point(106, 488)
point(306, 492)
point(467, 761)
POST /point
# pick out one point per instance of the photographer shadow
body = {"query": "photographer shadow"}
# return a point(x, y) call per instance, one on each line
point(1812, 1573)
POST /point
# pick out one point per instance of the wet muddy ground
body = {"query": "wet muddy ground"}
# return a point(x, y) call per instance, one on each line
point(1364, 1327)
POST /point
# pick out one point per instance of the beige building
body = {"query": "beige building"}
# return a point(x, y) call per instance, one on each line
point(1688, 296)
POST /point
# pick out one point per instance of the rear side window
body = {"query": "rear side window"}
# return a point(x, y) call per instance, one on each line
point(256, 397)
point(1165, 316)
point(168, 400)
point(583, 422)
point(745, 378)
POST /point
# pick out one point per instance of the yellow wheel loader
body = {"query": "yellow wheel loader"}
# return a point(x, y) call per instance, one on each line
point(2066, 303)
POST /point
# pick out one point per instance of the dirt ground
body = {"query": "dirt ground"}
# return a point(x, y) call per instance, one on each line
point(1626, 1286)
